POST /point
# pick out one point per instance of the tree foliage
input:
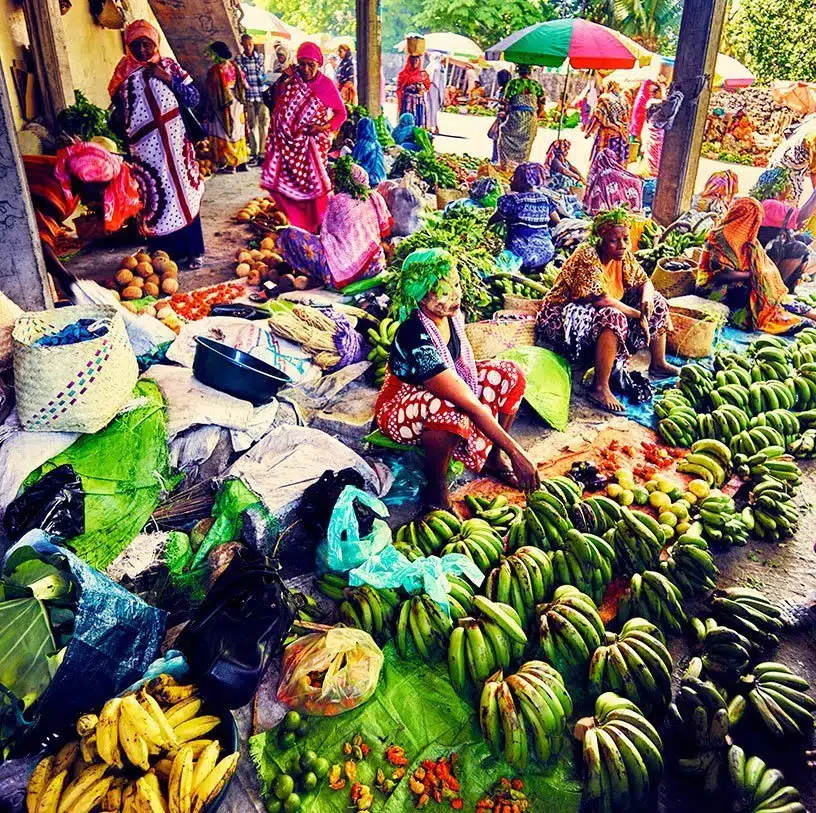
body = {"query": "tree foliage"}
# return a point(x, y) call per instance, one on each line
point(649, 22)
point(776, 39)
point(336, 17)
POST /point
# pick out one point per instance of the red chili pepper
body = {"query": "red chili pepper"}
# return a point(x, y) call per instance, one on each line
point(452, 782)
point(517, 784)
point(458, 804)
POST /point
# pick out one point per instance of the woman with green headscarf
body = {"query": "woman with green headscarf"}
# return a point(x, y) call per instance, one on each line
point(436, 395)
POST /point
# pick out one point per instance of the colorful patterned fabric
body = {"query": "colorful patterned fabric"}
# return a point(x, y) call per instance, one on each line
point(523, 86)
point(346, 70)
point(718, 192)
point(610, 184)
point(609, 126)
point(519, 129)
point(227, 122)
point(528, 177)
point(254, 71)
point(404, 411)
point(798, 155)
point(414, 357)
point(368, 153)
point(528, 218)
point(128, 64)
point(413, 81)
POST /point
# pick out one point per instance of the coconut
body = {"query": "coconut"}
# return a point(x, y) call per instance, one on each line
point(144, 269)
point(132, 292)
point(244, 257)
point(161, 255)
point(124, 277)
point(143, 257)
point(154, 278)
point(137, 282)
point(301, 283)
point(151, 289)
point(242, 270)
point(170, 270)
point(256, 255)
point(129, 262)
point(267, 244)
point(170, 285)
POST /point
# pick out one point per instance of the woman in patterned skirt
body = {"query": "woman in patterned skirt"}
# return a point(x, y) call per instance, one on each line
point(603, 306)
point(146, 90)
point(435, 395)
point(524, 102)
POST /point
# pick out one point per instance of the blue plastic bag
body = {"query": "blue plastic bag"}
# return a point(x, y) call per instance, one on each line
point(343, 548)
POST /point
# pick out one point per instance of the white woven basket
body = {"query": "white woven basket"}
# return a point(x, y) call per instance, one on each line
point(72, 387)
point(9, 313)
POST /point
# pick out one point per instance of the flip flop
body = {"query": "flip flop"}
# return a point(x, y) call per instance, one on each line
point(595, 401)
point(797, 617)
point(661, 375)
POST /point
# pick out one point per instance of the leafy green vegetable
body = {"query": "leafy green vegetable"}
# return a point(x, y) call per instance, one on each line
point(43, 579)
point(85, 120)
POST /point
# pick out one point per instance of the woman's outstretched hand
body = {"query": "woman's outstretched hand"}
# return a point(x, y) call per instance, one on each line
point(525, 471)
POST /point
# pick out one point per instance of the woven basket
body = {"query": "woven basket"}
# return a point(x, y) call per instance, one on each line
point(415, 46)
point(512, 302)
point(446, 196)
point(9, 313)
point(490, 338)
point(73, 387)
point(673, 283)
point(691, 338)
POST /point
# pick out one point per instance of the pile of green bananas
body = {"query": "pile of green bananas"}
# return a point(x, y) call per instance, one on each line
point(499, 512)
point(584, 561)
point(804, 385)
point(699, 721)
point(623, 756)
point(725, 421)
point(518, 285)
point(547, 520)
point(381, 340)
point(719, 521)
point(696, 383)
point(756, 788)
point(732, 374)
point(523, 580)
point(336, 587)
point(803, 350)
point(728, 360)
point(479, 542)
point(635, 664)
point(596, 515)
point(710, 459)
point(783, 420)
point(753, 467)
point(772, 509)
point(804, 447)
point(570, 630)
point(779, 700)
point(749, 612)
point(689, 563)
point(668, 400)
point(772, 359)
point(780, 468)
point(479, 646)
point(753, 440)
point(637, 540)
point(460, 596)
point(766, 396)
point(726, 653)
point(534, 699)
point(366, 608)
point(421, 620)
point(679, 428)
point(653, 597)
point(563, 488)
point(427, 536)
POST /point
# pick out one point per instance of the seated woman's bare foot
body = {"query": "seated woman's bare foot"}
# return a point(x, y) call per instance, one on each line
point(602, 397)
point(664, 370)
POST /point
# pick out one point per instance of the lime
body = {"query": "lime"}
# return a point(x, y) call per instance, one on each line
point(659, 499)
point(283, 785)
point(291, 720)
point(614, 490)
point(309, 781)
point(307, 760)
point(668, 531)
point(641, 495)
point(680, 509)
point(302, 730)
point(273, 805)
point(699, 488)
point(676, 494)
point(626, 497)
point(321, 767)
point(666, 486)
point(667, 518)
point(291, 803)
point(682, 527)
point(623, 474)
point(287, 739)
point(651, 486)
point(690, 498)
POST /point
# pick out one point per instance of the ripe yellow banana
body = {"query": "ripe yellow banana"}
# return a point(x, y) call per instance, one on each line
point(211, 786)
point(48, 801)
point(88, 749)
point(180, 784)
point(86, 724)
point(80, 786)
point(144, 724)
point(198, 747)
point(149, 704)
point(146, 799)
point(112, 803)
point(195, 728)
point(36, 785)
point(205, 763)
point(133, 744)
point(107, 733)
point(171, 693)
point(183, 711)
point(65, 757)
point(93, 796)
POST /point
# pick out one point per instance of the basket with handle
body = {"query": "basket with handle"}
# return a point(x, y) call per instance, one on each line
point(673, 283)
point(489, 338)
point(446, 196)
point(9, 313)
point(691, 338)
point(72, 387)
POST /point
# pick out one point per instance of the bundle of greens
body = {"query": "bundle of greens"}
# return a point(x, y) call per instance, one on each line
point(344, 180)
point(85, 120)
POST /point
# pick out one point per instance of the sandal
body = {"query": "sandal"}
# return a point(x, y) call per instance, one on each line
point(194, 263)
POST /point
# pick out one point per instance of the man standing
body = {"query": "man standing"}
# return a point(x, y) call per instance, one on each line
point(257, 115)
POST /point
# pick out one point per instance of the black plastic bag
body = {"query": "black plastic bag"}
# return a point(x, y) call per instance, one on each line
point(319, 499)
point(237, 630)
point(54, 504)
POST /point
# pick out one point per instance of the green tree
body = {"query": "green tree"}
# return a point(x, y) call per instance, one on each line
point(336, 17)
point(397, 20)
point(650, 22)
point(776, 39)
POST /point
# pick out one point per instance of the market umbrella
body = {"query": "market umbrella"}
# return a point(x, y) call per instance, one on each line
point(729, 74)
point(644, 56)
point(452, 44)
point(259, 23)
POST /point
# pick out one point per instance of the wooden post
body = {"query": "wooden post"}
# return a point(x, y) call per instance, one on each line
point(369, 57)
point(53, 69)
point(700, 31)
point(22, 270)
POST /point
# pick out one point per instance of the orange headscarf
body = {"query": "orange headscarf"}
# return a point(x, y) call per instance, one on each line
point(722, 186)
point(740, 227)
point(128, 63)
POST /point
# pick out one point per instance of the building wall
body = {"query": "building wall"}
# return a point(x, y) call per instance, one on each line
point(13, 38)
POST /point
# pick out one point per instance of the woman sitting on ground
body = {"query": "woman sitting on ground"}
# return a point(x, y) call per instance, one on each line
point(529, 211)
point(435, 395)
point(603, 306)
point(406, 132)
point(561, 174)
point(718, 193)
point(735, 269)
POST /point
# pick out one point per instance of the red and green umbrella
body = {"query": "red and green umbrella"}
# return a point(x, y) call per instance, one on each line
point(583, 44)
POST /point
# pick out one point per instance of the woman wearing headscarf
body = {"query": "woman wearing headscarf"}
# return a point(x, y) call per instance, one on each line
point(368, 152)
point(404, 135)
point(346, 75)
point(560, 173)
point(308, 109)
point(797, 154)
point(503, 77)
point(226, 86)
point(413, 84)
point(644, 126)
point(525, 101)
point(735, 269)
point(529, 212)
point(436, 395)
point(146, 90)
point(436, 92)
point(718, 192)
point(603, 307)
point(609, 125)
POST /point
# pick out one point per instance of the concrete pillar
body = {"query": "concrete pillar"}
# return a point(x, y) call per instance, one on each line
point(700, 31)
point(369, 54)
point(22, 270)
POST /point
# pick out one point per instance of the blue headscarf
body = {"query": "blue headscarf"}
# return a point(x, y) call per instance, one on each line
point(404, 131)
point(368, 152)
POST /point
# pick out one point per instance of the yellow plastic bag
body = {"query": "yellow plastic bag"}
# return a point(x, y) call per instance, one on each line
point(330, 672)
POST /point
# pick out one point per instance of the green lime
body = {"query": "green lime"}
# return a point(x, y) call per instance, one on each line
point(626, 497)
point(641, 495)
point(291, 803)
point(302, 730)
point(283, 785)
point(321, 767)
point(307, 760)
point(680, 509)
point(309, 781)
point(676, 494)
point(291, 720)
point(667, 518)
point(668, 531)
point(273, 805)
point(682, 527)
point(287, 739)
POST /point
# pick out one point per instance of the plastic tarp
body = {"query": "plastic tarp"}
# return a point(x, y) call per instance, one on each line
point(416, 707)
point(549, 382)
point(124, 470)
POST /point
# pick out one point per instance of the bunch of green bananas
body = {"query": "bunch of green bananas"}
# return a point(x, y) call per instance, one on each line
point(429, 534)
point(756, 788)
point(534, 699)
point(783, 469)
point(421, 620)
point(653, 597)
point(570, 629)
point(518, 285)
point(779, 700)
point(763, 343)
point(499, 512)
point(366, 608)
point(749, 612)
point(696, 383)
point(634, 663)
point(732, 374)
point(806, 336)
point(334, 586)
point(460, 596)
point(710, 459)
point(670, 399)
point(753, 467)
point(547, 520)
point(563, 488)
point(736, 395)
point(381, 340)
point(679, 428)
point(772, 362)
point(479, 646)
point(728, 360)
point(637, 540)
point(765, 396)
point(689, 563)
point(623, 756)
point(804, 447)
point(803, 382)
point(753, 440)
point(719, 521)
point(651, 232)
point(783, 420)
point(725, 421)
point(479, 542)
point(772, 509)
point(596, 515)
point(726, 653)
point(803, 350)
point(584, 561)
point(308, 612)
point(522, 580)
